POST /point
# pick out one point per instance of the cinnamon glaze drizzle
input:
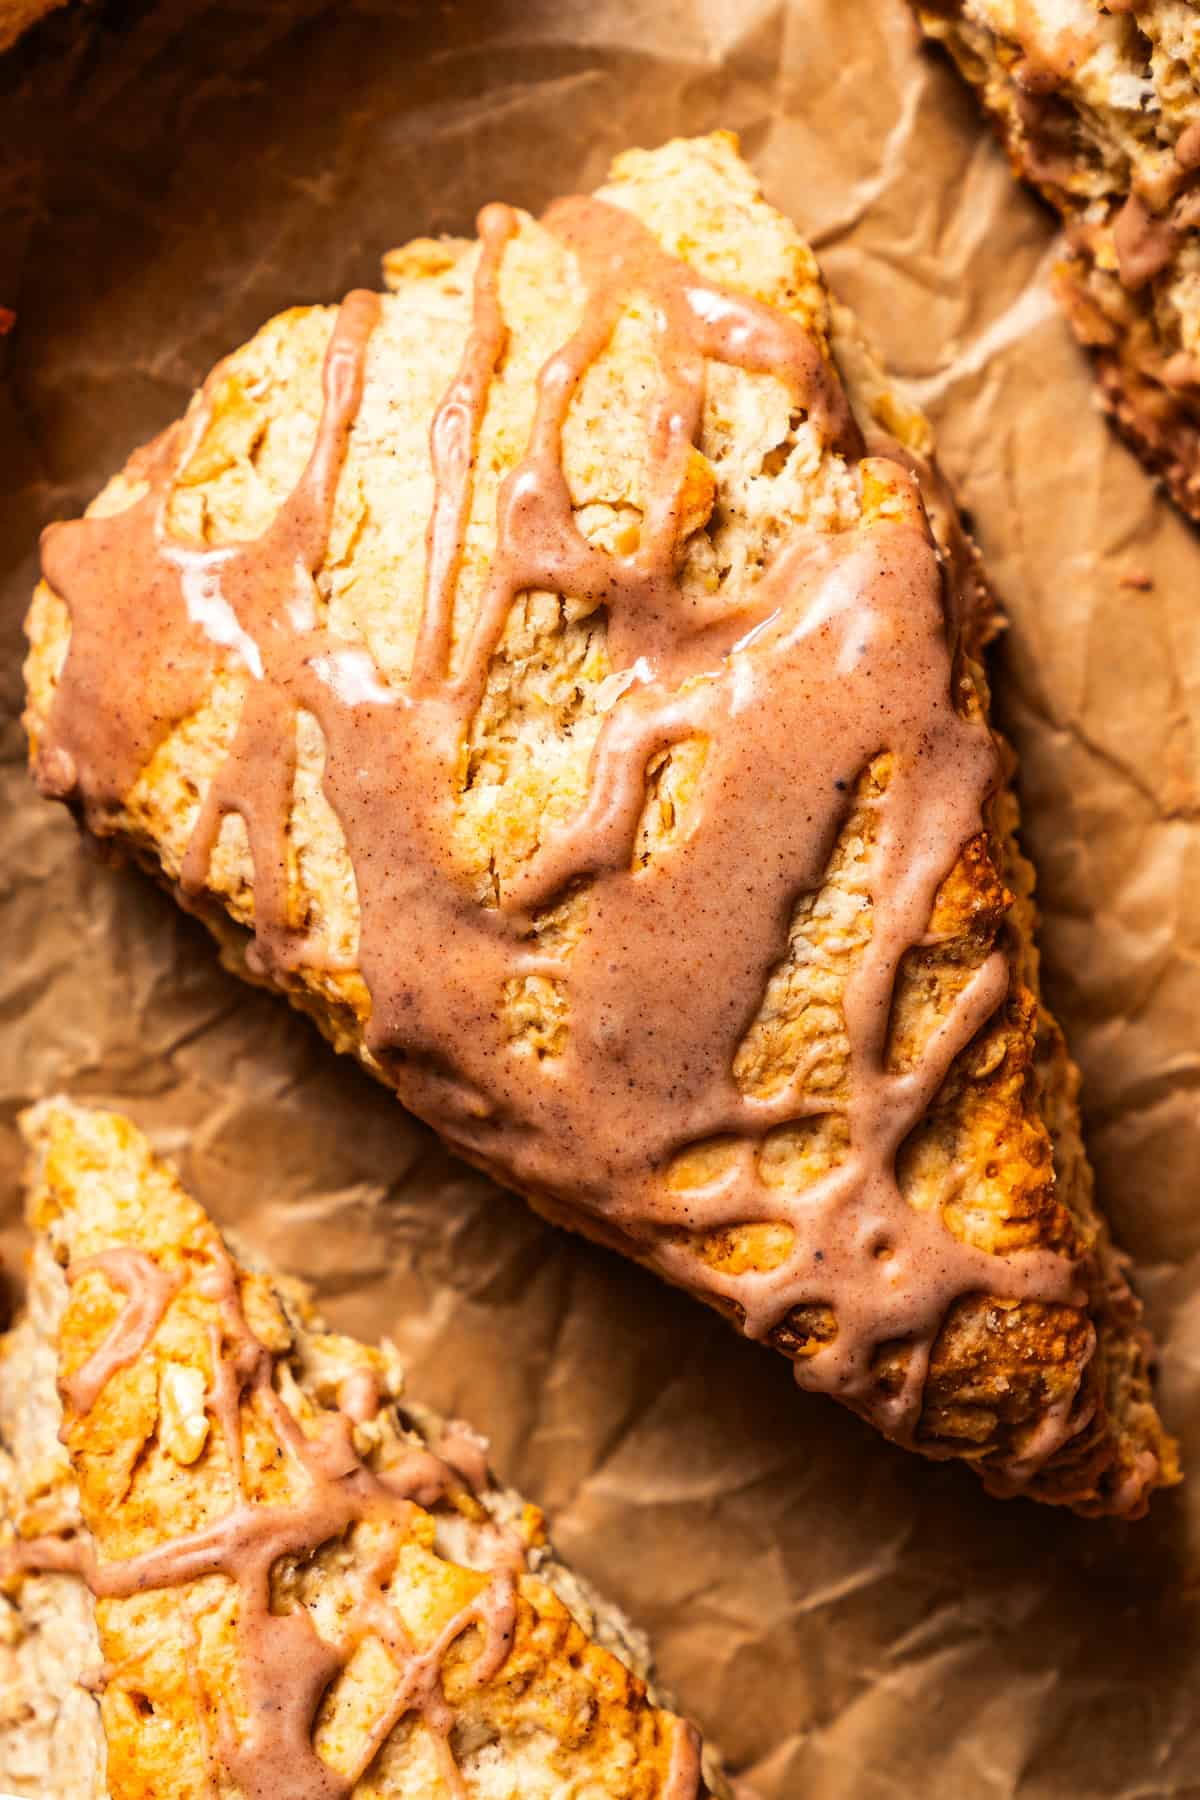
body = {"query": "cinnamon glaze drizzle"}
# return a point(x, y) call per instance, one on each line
point(286, 1667)
point(684, 1770)
point(838, 652)
point(150, 1291)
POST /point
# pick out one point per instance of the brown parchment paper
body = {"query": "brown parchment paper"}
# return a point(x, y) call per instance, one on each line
point(844, 1620)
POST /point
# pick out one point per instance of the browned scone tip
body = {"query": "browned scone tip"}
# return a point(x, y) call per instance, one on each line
point(1098, 105)
point(16, 17)
point(560, 677)
point(235, 1559)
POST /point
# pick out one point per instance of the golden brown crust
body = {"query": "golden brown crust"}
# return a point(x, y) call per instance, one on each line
point(16, 17)
point(997, 1156)
point(561, 1714)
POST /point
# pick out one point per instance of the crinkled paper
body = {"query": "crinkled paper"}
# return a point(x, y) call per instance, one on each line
point(849, 1623)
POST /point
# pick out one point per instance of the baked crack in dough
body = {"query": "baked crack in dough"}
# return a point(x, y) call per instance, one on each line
point(560, 676)
point(249, 1567)
point(1098, 106)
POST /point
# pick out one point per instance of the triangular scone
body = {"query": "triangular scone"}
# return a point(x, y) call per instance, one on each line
point(533, 675)
point(302, 1588)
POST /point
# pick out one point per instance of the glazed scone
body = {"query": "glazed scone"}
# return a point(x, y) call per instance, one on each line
point(286, 1578)
point(1098, 105)
point(564, 684)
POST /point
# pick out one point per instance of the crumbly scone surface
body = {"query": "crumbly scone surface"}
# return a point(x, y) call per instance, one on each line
point(1099, 107)
point(996, 1157)
point(561, 1715)
point(51, 1739)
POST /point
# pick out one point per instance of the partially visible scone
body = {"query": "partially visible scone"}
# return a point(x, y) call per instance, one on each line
point(51, 1742)
point(249, 1567)
point(1098, 105)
